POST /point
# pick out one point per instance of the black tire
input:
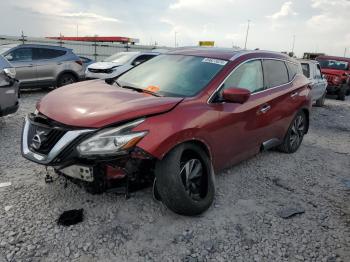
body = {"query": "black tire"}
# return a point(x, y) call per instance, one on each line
point(188, 197)
point(320, 102)
point(342, 92)
point(66, 79)
point(295, 134)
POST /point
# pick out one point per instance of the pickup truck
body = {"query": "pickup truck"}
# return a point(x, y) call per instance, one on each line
point(9, 92)
point(312, 71)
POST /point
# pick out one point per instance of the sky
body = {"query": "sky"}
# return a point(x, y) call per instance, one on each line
point(318, 25)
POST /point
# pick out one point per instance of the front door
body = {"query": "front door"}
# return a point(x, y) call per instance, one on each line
point(22, 59)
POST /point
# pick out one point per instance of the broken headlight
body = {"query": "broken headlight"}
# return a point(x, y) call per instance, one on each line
point(112, 141)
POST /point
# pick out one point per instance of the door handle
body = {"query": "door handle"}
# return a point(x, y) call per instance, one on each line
point(294, 94)
point(265, 108)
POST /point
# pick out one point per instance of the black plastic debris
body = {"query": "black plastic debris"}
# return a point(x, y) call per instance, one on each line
point(71, 217)
point(290, 212)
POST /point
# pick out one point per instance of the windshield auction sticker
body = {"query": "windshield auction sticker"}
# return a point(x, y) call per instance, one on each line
point(214, 61)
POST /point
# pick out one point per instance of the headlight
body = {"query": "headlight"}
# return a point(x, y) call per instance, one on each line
point(10, 72)
point(112, 141)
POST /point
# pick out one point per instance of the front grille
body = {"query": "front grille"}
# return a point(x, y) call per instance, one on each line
point(103, 71)
point(42, 138)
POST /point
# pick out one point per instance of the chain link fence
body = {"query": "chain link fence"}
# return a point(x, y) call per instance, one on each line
point(93, 50)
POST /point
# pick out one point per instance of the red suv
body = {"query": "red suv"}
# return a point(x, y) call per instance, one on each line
point(337, 72)
point(176, 119)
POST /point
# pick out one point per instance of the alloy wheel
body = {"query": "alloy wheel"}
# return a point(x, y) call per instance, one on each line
point(297, 132)
point(191, 174)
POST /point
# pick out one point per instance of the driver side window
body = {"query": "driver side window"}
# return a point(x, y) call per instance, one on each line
point(248, 76)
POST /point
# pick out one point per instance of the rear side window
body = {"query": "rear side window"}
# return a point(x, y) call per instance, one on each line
point(46, 53)
point(306, 69)
point(248, 76)
point(293, 70)
point(275, 72)
point(20, 54)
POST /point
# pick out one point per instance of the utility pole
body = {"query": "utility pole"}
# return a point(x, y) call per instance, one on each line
point(23, 37)
point(246, 36)
point(77, 30)
point(345, 51)
point(293, 45)
point(175, 43)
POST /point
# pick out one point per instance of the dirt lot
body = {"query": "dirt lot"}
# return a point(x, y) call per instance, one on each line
point(242, 225)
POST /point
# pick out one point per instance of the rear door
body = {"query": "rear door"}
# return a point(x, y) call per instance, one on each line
point(284, 96)
point(321, 82)
point(22, 59)
point(46, 63)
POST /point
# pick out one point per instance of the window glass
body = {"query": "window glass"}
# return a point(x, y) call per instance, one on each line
point(120, 58)
point(141, 59)
point(334, 64)
point(20, 54)
point(275, 72)
point(293, 69)
point(248, 76)
point(173, 75)
point(46, 53)
point(318, 72)
point(306, 69)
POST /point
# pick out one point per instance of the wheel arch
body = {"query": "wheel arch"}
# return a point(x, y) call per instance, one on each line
point(67, 72)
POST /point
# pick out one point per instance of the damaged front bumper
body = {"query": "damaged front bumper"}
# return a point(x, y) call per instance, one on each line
point(52, 144)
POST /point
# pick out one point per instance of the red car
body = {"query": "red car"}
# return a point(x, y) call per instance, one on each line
point(337, 71)
point(177, 119)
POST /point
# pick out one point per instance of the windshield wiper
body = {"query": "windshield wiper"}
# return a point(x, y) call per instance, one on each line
point(140, 90)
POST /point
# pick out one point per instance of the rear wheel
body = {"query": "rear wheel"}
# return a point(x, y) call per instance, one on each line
point(185, 180)
point(342, 92)
point(66, 79)
point(295, 134)
point(320, 102)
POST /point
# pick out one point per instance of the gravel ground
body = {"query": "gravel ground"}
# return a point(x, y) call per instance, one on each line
point(242, 225)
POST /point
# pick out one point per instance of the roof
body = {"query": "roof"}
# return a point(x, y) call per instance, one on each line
point(210, 52)
point(308, 61)
point(227, 53)
point(336, 58)
point(44, 46)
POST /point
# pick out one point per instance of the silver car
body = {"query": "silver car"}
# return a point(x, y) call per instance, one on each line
point(41, 65)
point(8, 88)
point(312, 71)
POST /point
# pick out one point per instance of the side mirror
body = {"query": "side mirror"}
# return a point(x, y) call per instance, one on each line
point(236, 95)
point(9, 57)
point(136, 63)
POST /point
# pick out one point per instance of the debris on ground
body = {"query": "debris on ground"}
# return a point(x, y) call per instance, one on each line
point(290, 211)
point(71, 217)
point(7, 208)
point(5, 184)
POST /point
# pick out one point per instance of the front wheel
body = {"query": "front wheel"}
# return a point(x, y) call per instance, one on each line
point(295, 134)
point(185, 180)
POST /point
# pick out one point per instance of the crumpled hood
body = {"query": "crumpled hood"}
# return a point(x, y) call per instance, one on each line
point(103, 65)
point(95, 104)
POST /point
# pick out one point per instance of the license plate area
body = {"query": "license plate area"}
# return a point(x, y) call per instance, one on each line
point(84, 173)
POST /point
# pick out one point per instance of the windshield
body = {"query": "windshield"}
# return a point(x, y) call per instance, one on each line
point(4, 49)
point(333, 64)
point(173, 75)
point(120, 58)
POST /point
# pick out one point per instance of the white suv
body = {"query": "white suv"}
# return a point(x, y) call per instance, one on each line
point(117, 64)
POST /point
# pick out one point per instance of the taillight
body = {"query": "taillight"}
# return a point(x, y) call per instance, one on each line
point(79, 62)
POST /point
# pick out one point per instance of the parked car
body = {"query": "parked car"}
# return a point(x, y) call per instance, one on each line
point(312, 71)
point(44, 65)
point(181, 116)
point(86, 61)
point(337, 72)
point(9, 93)
point(117, 64)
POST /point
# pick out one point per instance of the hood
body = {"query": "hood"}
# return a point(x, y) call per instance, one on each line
point(334, 72)
point(95, 104)
point(103, 65)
